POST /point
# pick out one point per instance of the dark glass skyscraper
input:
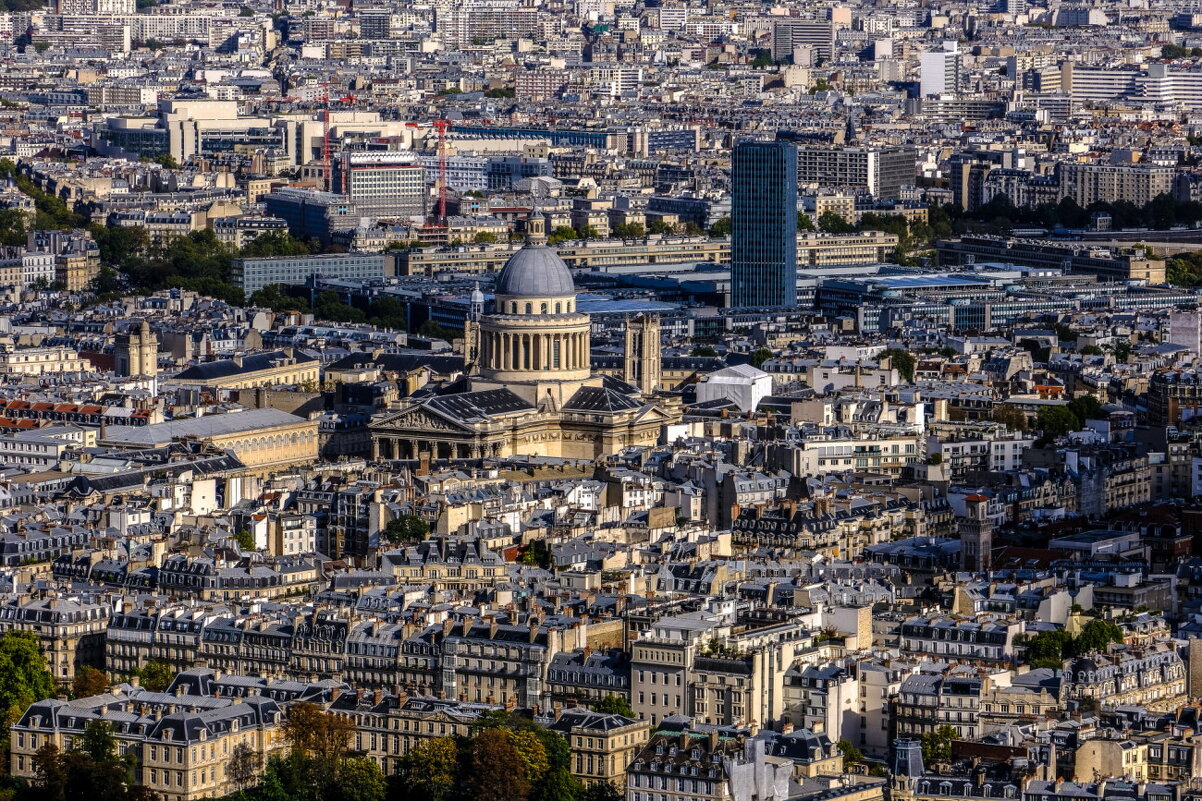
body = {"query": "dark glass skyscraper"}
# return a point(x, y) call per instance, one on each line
point(763, 218)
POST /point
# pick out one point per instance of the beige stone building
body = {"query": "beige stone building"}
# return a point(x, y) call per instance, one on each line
point(41, 361)
point(284, 367)
point(69, 631)
point(262, 439)
point(182, 743)
point(602, 745)
point(75, 270)
point(531, 389)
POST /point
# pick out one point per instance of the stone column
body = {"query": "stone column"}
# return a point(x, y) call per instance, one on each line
point(375, 449)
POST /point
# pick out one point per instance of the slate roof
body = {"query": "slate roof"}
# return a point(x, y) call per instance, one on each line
point(208, 426)
point(600, 399)
point(401, 362)
point(228, 368)
point(476, 407)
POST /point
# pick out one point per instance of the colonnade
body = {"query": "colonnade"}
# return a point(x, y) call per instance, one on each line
point(386, 447)
point(516, 351)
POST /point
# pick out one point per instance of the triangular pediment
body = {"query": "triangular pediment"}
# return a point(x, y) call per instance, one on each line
point(653, 412)
point(418, 418)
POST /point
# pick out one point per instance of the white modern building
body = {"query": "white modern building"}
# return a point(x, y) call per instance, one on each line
point(743, 384)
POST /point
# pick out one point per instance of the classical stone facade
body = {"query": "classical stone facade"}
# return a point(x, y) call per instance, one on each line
point(262, 439)
point(532, 390)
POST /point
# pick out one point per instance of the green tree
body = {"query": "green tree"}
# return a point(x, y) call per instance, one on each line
point(1096, 635)
point(561, 233)
point(430, 772)
point(484, 238)
point(106, 282)
point(275, 243)
point(244, 766)
point(588, 232)
point(721, 228)
point(496, 771)
point(763, 60)
point(320, 744)
point(245, 540)
point(166, 160)
point(12, 228)
point(359, 779)
point(629, 231)
point(902, 360)
point(387, 312)
point(833, 223)
point(276, 298)
point(432, 329)
point(119, 246)
point(703, 350)
point(602, 791)
point(614, 705)
point(937, 745)
point(760, 355)
point(327, 306)
point(24, 678)
point(533, 754)
point(851, 754)
point(657, 226)
point(1064, 333)
point(98, 741)
point(1048, 649)
point(1091, 350)
point(93, 772)
point(558, 785)
point(1056, 421)
point(536, 554)
point(1086, 407)
point(406, 529)
point(89, 681)
point(1010, 416)
point(804, 223)
point(155, 676)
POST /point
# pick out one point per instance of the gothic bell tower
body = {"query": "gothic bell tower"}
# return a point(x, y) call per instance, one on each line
point(641, 364)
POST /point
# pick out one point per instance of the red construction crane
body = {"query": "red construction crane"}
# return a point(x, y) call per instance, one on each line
point(327, 170)
point(440, 126)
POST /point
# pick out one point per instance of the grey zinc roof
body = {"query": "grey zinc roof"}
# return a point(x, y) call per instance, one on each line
point(535, 271)
point(226, 368)
point(208, 426)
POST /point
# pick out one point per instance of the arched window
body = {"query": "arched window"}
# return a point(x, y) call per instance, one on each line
point(544, 309)
point(557, 307)
point(529, 308)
